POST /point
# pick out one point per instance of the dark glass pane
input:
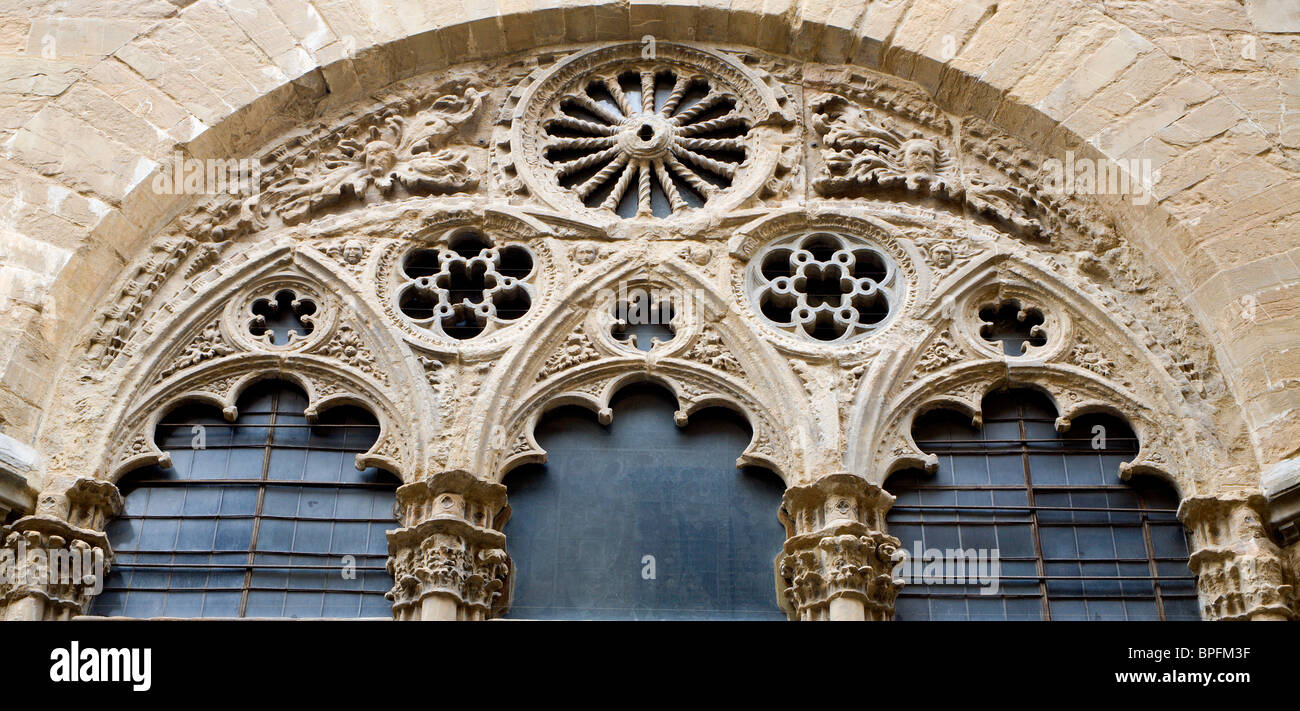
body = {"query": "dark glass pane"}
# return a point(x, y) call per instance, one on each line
point(1096, 533)
point(295, 523)
point(642, 519)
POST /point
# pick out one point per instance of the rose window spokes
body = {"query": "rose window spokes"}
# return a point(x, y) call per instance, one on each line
point(646, 141)
point(823, 286)
point(462, 289)
point(282, 318)
point(1015, 327)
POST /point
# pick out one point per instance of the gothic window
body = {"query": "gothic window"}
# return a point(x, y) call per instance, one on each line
point(263, 517)
point(823, 286)
point(646, 141)
point(1073, 541)
point(642, 520)
point(622, 131)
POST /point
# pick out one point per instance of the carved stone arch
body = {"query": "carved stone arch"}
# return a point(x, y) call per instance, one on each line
point(337, 363)
point(594, 386)
point(1072, 306)
point(1073, 394)
point(397, 449)
point(567, 358)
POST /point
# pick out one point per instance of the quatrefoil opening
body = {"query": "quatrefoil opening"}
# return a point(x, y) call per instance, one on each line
point(1012, 326)
point(643, 319)
point(282, 318)
point(823, 286)
point(463, 288)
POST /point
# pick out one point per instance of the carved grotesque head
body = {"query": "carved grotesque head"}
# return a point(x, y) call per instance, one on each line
point(352, 251)
point(942, 256)
point(381, 158)
point(920, 156)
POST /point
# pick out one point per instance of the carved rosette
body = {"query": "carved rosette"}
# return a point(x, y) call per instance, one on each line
point(837, 563)
point(1240, 572)
point(53, 562)
point(448, 561)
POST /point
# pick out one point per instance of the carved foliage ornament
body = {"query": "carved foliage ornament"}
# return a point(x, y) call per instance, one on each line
point(410, 142)
point(866, 152)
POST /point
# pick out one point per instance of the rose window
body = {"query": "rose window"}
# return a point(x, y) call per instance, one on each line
point(645, 134)
point(647, 141)
point(466, 288)
point(823, 286)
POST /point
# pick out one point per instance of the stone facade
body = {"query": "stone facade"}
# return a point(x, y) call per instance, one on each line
point(403, 152)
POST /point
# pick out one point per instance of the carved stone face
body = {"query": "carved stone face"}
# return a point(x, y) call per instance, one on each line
point(920, 156)
point(584, 254)
point(942, 255)
point(381, 157)
point(352, 251)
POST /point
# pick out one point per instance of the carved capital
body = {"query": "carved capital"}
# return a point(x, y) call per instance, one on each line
point(1240, 573)
point(448, 561)
point(53, 562)
point(837, 563)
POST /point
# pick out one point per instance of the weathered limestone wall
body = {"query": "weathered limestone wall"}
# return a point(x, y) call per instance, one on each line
point(95, 93)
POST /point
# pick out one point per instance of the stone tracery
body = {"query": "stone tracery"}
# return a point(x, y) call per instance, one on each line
point(883, 156)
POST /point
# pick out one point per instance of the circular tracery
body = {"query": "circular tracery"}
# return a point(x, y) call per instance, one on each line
point(823, 286)
point(646, 141)
point(643, 133)
point(463, 288)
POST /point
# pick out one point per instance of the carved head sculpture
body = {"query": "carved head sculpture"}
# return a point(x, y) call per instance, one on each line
point(381, 156)
point(942, 256)
point(352, 251)
point(585, 254)
point(919, 156)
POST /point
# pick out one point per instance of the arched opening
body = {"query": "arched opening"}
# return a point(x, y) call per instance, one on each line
point(266, 516)
point(1071, 540)
point(642, 520)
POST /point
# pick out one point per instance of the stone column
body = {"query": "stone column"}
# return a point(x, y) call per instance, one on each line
point(1240, 572)
point(448, 561)
point(54, 561)
point(837, 562)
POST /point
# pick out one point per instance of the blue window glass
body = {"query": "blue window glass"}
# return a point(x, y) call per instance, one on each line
point(263, 517)
point(1073, 541)
point(642, 520)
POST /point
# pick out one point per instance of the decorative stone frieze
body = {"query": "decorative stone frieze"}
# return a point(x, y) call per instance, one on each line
point(1240, 573)
point(448, 560)
point(53, 562)
point(837, 562)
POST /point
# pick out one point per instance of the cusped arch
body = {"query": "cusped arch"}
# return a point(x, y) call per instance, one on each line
point(569, 360)
point(220, 386)
point(694, 387)
point(1072, 395)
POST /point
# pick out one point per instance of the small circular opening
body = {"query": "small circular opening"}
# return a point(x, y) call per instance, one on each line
point(646, 133)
